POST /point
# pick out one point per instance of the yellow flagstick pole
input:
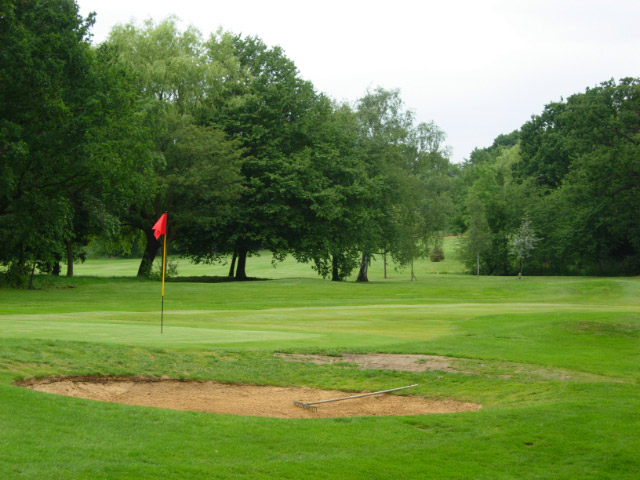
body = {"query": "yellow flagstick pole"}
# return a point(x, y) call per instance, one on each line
point(164, 263)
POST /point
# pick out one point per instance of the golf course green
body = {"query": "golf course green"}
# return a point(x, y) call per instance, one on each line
point(553, 362)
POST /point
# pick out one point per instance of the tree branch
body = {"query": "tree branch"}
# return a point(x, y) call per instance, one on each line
point(626, 187)
point(628, 137)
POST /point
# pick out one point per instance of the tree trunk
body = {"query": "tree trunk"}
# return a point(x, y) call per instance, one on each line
point(384, 258)
point(20, 263)
point(478, 262)
point(69, 245)
point(56, 269)
point(233, 263)
point(413, 277)
point(335, 272)
point(364, 267)
point(241, 273)
point(520, 274)
point(149, 255)
point(33, 271)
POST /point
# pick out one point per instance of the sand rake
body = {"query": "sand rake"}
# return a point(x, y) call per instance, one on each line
point(312, 405)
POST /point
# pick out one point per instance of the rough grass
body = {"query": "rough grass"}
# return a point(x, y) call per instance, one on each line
point(513, 337)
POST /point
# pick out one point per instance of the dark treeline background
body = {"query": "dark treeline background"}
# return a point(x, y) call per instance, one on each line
point(574, 171)
point(223, 133)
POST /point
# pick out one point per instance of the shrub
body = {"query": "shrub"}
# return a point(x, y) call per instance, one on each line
point(437, 254)
point(171, 270)
point(16, 276)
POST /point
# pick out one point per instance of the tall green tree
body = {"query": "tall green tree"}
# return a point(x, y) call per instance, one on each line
point(593, 140)
point(119, 153)
point(410, 173)
point(424, 201)
point(385, 128)
point(477, 239)
point(57, 152)
point(504, 197)
point(336, 194)
point(43, 52)
point(264, 110)
point(196, 173)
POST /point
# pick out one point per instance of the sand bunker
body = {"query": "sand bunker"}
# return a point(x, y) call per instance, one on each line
point(250, 400)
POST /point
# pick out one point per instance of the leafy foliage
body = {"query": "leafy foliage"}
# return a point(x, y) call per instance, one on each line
point(246, 155)
point(523, 242)
point(574, 171)
point(437, 254)
point(196, 173)
point(477, 241)
point(69, 143)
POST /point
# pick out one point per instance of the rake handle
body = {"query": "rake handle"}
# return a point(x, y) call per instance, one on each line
point(357, 396)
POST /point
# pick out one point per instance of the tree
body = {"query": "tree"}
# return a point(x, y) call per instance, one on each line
point(336, 193)
point(477, 239)
point(522, 243)
point(196, 173)
point(410, 173)
point(424, 202)
point(546, 149)
point(43, 51)
point(586, 150)
point(119, 153)
point(58, 152)
point(203, 183)
point(264, 111)
point(385, 126)
point(504, 197)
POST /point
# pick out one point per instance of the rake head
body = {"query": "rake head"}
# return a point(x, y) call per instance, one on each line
point(306, 406)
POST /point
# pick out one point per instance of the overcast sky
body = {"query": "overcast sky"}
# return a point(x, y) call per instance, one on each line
point(478, 68)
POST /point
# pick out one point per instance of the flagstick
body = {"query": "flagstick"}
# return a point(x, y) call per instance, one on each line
point(164, 262)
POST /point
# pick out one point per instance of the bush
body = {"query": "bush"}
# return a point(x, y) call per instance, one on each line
point(171, 270)
point(437, 254)
point(16, 276)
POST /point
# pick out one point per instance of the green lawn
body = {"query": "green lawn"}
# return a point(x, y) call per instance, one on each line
point(580, 423)
point(260, 266)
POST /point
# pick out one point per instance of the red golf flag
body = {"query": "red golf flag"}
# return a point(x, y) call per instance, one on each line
point(160, 228)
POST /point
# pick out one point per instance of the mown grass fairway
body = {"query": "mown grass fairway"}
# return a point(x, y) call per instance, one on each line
point(260, 266)
point(556, 364)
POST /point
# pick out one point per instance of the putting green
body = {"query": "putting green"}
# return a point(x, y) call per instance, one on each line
point(274, 328)
point(141, 334)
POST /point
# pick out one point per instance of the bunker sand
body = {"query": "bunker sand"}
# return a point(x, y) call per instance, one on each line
point(248, 400)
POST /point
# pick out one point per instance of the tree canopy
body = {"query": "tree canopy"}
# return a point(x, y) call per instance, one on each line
point(71, 150)
point(245, 155)
point(575, 172)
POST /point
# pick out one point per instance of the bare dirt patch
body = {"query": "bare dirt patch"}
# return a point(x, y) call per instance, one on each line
point(606, 328)
point(382, 361)
point(249, 400)
point(429, 363)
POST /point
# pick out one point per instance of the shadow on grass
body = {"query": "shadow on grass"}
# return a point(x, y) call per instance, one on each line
point(214, 279)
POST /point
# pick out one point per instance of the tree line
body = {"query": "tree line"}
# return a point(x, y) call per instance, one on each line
point(572, 174)
point(223, 133)
point(244, 154)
